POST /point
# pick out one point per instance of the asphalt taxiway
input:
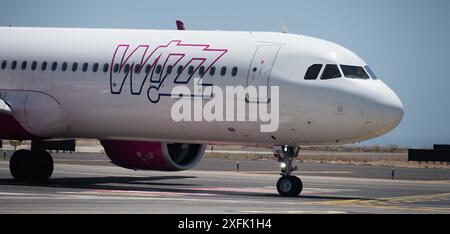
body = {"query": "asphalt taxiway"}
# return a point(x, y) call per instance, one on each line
point(88, 183)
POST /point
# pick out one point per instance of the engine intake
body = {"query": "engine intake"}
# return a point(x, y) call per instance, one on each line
point(158, 156)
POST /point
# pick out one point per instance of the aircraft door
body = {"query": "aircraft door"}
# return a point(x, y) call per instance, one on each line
point(260, 70)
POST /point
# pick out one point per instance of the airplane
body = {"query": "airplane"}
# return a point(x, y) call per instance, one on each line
point(115, 85)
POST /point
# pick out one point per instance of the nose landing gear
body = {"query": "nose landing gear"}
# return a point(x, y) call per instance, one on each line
point(288, 185)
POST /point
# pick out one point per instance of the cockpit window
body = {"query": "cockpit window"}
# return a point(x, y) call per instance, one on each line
point(371, 73)
point(313, 72)
point(354, 72)
point(331, 72)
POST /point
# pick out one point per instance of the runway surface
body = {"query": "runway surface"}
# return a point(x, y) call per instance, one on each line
point(88, 183)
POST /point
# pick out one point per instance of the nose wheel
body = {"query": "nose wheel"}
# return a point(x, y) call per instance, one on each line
point(288, 185)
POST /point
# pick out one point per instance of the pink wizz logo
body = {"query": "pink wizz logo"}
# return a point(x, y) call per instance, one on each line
point(165, 67)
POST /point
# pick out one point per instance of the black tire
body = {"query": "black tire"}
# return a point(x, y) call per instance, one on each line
point(19, 165)
point(289, 186)
point(42, 166)
point(28, 166)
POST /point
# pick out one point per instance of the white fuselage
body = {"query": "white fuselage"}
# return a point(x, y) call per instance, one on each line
point(53, 103)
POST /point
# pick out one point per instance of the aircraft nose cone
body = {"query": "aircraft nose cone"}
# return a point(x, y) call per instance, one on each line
point(383, 112)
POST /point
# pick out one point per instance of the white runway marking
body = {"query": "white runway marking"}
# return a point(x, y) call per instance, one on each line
point(231, 189)
point(18, 194)
point(142, 193)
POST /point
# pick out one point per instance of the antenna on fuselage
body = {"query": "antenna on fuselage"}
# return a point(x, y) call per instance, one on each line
point(180, 25)
point(284, 29)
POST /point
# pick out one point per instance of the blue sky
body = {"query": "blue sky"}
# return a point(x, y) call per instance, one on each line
point(405, 42)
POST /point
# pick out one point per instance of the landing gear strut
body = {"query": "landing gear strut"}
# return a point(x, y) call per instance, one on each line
point(31, 166)
point(288, 185)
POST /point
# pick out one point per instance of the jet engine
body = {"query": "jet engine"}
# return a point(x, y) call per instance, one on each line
point(158, 156)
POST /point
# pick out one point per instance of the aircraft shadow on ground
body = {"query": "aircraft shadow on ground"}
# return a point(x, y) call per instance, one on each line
point(155, 184)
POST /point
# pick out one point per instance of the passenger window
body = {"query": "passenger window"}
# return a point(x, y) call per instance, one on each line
point(4, 64)
point(116, 68)
point(354, 72)
point(44, 66)
point(75, 67)
point(313, 72)
point(180, 69)
point(106, 67)
point(64, 66)
point(85, 67)
point(212, 71)
point(331, 72)
point(33, 65)
point(158, 69)
point(24, 65)
point(54, 66)
point(223, 71)
point(169, 69)
point(191, 70)
point(148, 68)
point(95, 67)
point(126, 68)
point(14, 65)
point(201, 71)
point(234, 72)
point(137, 68)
